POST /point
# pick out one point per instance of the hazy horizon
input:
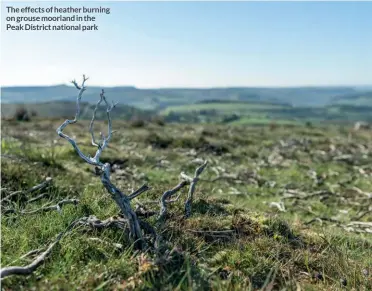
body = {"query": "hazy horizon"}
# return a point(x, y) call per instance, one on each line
point(214, 87)
point(151, 45)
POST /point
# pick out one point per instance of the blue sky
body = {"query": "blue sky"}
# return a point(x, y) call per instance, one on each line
point(194, 44)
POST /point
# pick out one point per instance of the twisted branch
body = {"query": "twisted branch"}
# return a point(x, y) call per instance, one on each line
point(37, 198)
point(90, 221)
point(122, 200)
point(60, 129)
point(166, 195)
point(190, 195)
point(139, 191)
point(185, 181)
point(27, 270)
point(42, 185)
point(57, 207)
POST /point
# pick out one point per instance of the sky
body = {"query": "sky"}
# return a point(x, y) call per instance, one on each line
point(198, 44)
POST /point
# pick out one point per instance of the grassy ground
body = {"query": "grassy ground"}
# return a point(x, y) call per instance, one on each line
point(252, 224)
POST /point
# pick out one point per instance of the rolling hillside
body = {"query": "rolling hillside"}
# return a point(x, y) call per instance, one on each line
point(161, 98)
point(355, 99)
point(226, 105)
point(67, 109)
point(264, 113)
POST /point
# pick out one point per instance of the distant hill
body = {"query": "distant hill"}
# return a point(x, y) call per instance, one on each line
point(227, 105)
point(264, 113)
point(356, 99)
point(125, 95)
point(162, 98)
point(267, 103)
point(67, 109)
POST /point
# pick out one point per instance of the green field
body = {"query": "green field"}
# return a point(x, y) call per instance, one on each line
point(226, 107)
point(265, 113)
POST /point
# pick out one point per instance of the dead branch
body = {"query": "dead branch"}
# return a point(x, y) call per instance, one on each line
point(294, 194)
point(90, 222)
point(362, 214)
point(139, 191)
point(29, 269)
point(359, 191)
point(185, 180)
point(116, 245)
point(104, 170)
point(321, 219)
point(166, 195)
point(40, 186)
point(122, 200)
point(57, 207)
point(141, 211)
point(95, 223)
point(30, 253)
point(37, 198)
point(358, 226)
point(190, 195)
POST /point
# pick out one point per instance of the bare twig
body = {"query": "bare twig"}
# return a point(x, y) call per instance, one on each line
point(362, 214)
point(116, 245)
point(11, 195)
point(122, 200)
point(57, 207)
point(139, 191)
point(166, 195)
point(321, 219)
point(42, 185)
point(358, 226)
point(185, 181)
point(141, 211)
point(41, 196)
point(29, 269)
point(30, 253)
point(294, 194)
point(92, 121)
point(190, 195)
